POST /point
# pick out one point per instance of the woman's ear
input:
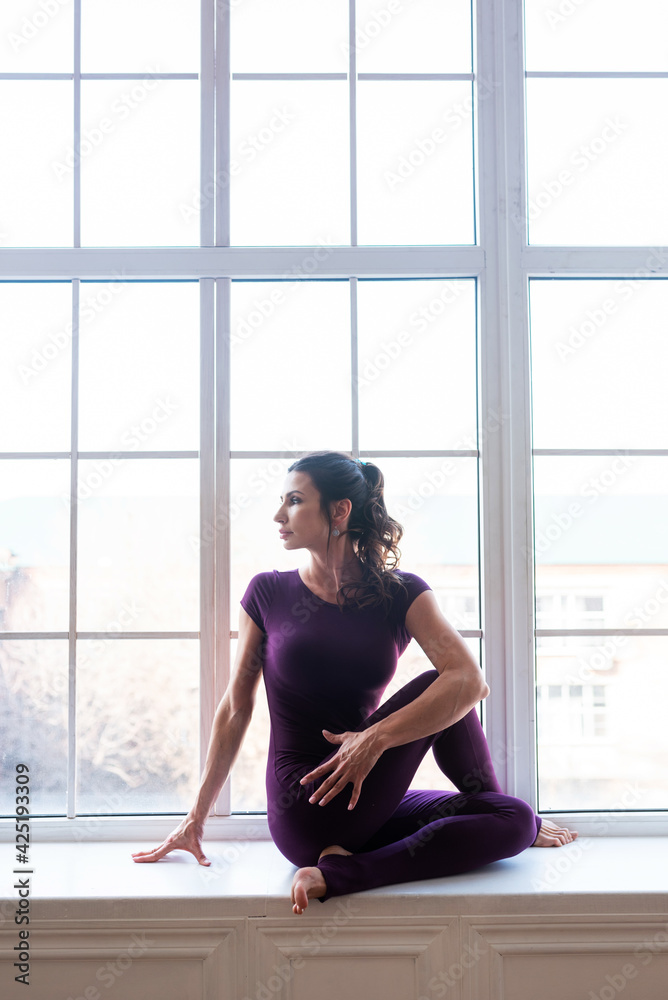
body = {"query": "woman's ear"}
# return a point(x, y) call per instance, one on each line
point(341, 509)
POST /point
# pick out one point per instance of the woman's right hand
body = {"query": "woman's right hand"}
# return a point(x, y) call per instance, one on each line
point(186, 837)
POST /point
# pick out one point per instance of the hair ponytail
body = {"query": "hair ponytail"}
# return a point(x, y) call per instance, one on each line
point(375, 535)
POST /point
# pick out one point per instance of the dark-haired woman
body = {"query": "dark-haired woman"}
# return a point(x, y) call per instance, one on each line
point(327, 638)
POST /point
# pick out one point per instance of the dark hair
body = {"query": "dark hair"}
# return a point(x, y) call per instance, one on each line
point(373, 532)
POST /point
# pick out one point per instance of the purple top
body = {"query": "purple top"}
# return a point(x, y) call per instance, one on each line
point(324, 668)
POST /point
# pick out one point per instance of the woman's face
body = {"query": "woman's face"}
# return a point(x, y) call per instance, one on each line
point(301, 522)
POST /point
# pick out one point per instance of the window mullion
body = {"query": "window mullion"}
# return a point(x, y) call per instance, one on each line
point(504, 402)
point(72, 639)
point(221, 524)
point(352, 97)
point(207, 126)
point(76, 172)
point(207, 515)
point(223, 108)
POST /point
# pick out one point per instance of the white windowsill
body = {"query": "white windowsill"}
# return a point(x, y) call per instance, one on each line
point(89, 829)
point(99, 880)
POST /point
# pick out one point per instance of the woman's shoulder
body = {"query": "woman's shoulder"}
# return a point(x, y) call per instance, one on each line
point(414, 584)
point(271, 581)
point(264, 590)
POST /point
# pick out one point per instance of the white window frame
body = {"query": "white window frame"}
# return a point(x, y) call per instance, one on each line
point(502, 263)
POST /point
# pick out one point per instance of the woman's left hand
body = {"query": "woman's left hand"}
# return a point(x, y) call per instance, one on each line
point(357, 755)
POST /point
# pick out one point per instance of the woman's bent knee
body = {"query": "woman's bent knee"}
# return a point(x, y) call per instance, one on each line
point(524, 822)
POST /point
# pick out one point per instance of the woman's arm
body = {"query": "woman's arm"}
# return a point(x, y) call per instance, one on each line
point(453, 694)
point(230, 723)
point(448, 699)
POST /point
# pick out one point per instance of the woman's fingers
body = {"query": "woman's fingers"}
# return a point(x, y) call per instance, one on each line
point(351, 763)
point(318, 771)
point(153, 855)
point(330, 791)
point(182, 839)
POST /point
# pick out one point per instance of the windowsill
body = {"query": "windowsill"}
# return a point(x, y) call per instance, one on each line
point(99, 880)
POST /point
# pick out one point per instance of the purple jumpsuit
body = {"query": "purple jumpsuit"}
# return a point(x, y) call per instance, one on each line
point(325, 668)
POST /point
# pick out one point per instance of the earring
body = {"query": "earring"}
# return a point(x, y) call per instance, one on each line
point(336, 532)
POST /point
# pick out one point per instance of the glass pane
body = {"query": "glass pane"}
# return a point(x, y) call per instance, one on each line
point(139, 367)
point(417, 355)
point(601, 542)
point(33, 723)
point(596, 35)
point(137, 725)
point(36, 38)
point(139, 162)
point(248, 774)
point(427, 36)
point(138, 545)
point(597, 174)
point(37, 163)
point(602, 741)
point(289, 163)
point(126, 36)
point(435, 499)
point(451, 571)
point(34, 545)
point(422, 494)
point(255, 488)
point(35, 365)
point(601, 345)
point(415, 162)
point(290, 365)
point(411, 664)
point(290, 36)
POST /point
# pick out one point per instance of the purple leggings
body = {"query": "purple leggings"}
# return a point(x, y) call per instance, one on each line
point(398, 835)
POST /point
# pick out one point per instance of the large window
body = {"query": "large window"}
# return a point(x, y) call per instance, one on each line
point(428, 234)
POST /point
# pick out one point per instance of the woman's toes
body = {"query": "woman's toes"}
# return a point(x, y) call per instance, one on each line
point(308, 883)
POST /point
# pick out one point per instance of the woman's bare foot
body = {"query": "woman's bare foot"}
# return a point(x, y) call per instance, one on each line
point(309, 883)
point(551, 835)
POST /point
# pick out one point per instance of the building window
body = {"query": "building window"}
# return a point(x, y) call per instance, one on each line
point(383, 214)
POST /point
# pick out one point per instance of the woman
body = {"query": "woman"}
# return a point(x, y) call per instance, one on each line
point(327, 638)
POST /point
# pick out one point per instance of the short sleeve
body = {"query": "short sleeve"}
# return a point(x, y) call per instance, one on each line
point(415, 586)
point(258, 597)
